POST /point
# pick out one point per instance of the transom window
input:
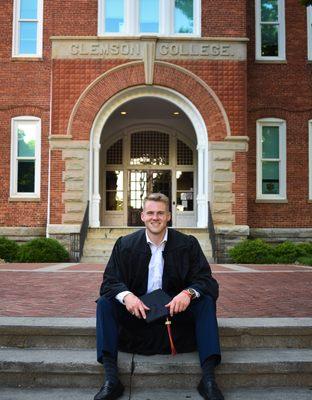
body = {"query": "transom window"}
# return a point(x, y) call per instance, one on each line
point(270, 30)
point(158, 17)
point(27, 28)
point(271, 159)
point(25, 157)
point(309, 18)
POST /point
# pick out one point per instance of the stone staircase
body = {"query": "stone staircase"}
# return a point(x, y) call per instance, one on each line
point(100, 241)
point(54, 358)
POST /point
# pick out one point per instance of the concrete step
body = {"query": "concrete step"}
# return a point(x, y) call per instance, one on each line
point(100, 242)
point(165, 394)
point(235, 333)
point(79, 369)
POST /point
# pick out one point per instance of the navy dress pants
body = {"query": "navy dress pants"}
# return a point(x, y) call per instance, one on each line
point(203, 309)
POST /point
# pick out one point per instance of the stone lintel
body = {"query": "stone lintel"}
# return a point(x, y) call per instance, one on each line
point(232, 230)
point(22, 231)
point(60, 229)
point(61, 143)
point(282, 232)
point(229, 145)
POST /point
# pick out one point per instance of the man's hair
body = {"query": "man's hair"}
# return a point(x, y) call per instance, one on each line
point(157, 197)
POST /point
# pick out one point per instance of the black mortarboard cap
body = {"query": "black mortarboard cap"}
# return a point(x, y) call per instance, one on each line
point(156, 301)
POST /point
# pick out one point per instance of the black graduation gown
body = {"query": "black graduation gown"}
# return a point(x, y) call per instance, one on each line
point(184, 266)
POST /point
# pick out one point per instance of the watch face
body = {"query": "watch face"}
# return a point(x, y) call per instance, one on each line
point(192, 293)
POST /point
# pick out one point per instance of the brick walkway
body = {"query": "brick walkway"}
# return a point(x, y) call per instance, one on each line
point(69, 290)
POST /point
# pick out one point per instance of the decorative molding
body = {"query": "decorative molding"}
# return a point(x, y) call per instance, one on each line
point(149, 60)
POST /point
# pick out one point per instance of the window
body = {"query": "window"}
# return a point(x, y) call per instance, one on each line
point(270, 30)
point(149, 17)
point(310, 160)
point(309, 17)
point(271, 159)
point(25, 157)
point(27, 28)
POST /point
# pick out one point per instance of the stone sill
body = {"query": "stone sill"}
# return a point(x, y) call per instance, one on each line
point(279, 201)
point(270, 61)
point(23, 59)
point(32, 199)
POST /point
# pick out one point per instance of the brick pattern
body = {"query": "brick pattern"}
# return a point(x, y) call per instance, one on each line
point(282, 91)
point(73, 294)
point(239, 188)
point(224, 18)
point(70, 79)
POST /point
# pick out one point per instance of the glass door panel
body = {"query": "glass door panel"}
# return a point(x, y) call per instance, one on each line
point(141, 183)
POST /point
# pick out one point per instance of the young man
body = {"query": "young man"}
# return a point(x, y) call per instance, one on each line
point(149, 259)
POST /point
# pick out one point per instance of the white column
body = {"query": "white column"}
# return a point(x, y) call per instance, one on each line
point(96, 198)
point(202, 198)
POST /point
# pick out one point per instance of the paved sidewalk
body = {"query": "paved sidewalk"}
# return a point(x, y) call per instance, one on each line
point(69, 290)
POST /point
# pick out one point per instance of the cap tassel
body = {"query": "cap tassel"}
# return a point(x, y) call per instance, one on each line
point(173, 349)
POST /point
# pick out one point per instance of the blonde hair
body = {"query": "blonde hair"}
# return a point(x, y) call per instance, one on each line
point(157, 197)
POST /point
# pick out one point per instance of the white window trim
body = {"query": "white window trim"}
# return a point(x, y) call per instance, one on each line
point(310, 159)
point(281, 33)
point(282, 157)
point(14, 143)
point(166, 20)
point(16, 31)
point(309, 32)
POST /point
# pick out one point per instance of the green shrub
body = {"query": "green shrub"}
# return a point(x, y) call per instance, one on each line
point(42, 250)
point(286, 253)
point(305, 260)
point(8, 249)
point(305, 249)
point(252, 252)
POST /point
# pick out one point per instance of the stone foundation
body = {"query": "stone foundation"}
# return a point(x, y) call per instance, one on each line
point(226, 238)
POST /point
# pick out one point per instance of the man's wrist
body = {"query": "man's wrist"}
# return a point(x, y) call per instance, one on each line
point(190, 292)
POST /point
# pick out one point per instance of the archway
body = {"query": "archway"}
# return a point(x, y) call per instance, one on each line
point(197, 122)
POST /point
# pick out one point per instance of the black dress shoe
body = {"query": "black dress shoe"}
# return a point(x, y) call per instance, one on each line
point(209, 390)
point(110, 391)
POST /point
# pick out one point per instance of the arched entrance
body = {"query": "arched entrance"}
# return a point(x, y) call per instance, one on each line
point(148, 139)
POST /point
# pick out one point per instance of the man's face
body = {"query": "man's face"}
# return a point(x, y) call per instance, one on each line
point(155, 216)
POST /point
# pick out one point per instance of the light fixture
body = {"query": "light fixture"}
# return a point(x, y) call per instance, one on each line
point(123, 112)
point(176, 113)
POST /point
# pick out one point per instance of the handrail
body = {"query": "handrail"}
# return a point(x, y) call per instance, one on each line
point(77, 240)
point(212, 234)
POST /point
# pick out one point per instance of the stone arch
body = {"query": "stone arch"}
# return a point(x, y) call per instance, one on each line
point(201, 135)
point(132, 74)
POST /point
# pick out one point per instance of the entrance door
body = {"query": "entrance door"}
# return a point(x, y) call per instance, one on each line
point(141, 183)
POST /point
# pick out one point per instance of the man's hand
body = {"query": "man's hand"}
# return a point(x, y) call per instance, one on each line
point(179, 303)
point(135, 306)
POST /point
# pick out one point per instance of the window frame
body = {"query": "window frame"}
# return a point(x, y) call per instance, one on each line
point(281, 33)
point(309, 32)
point(16, 30)
point(282, 158)
point(166, 20)
point(310, 159)
point(14, 158)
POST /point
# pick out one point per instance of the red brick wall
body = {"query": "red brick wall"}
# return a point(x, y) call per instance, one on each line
point(24, 90)
point(282, 91)
point(224, 18)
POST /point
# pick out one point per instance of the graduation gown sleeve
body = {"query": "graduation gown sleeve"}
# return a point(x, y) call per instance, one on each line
point(113, 282)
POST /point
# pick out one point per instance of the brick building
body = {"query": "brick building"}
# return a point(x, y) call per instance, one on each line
point(207, 101)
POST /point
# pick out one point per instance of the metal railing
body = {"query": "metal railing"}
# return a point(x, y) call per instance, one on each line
point(212, 234)
point(77, 240)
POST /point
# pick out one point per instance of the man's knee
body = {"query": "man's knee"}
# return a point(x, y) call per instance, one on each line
point(104, 304)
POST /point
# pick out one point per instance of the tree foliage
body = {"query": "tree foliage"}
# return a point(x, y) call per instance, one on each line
point(306, 3)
